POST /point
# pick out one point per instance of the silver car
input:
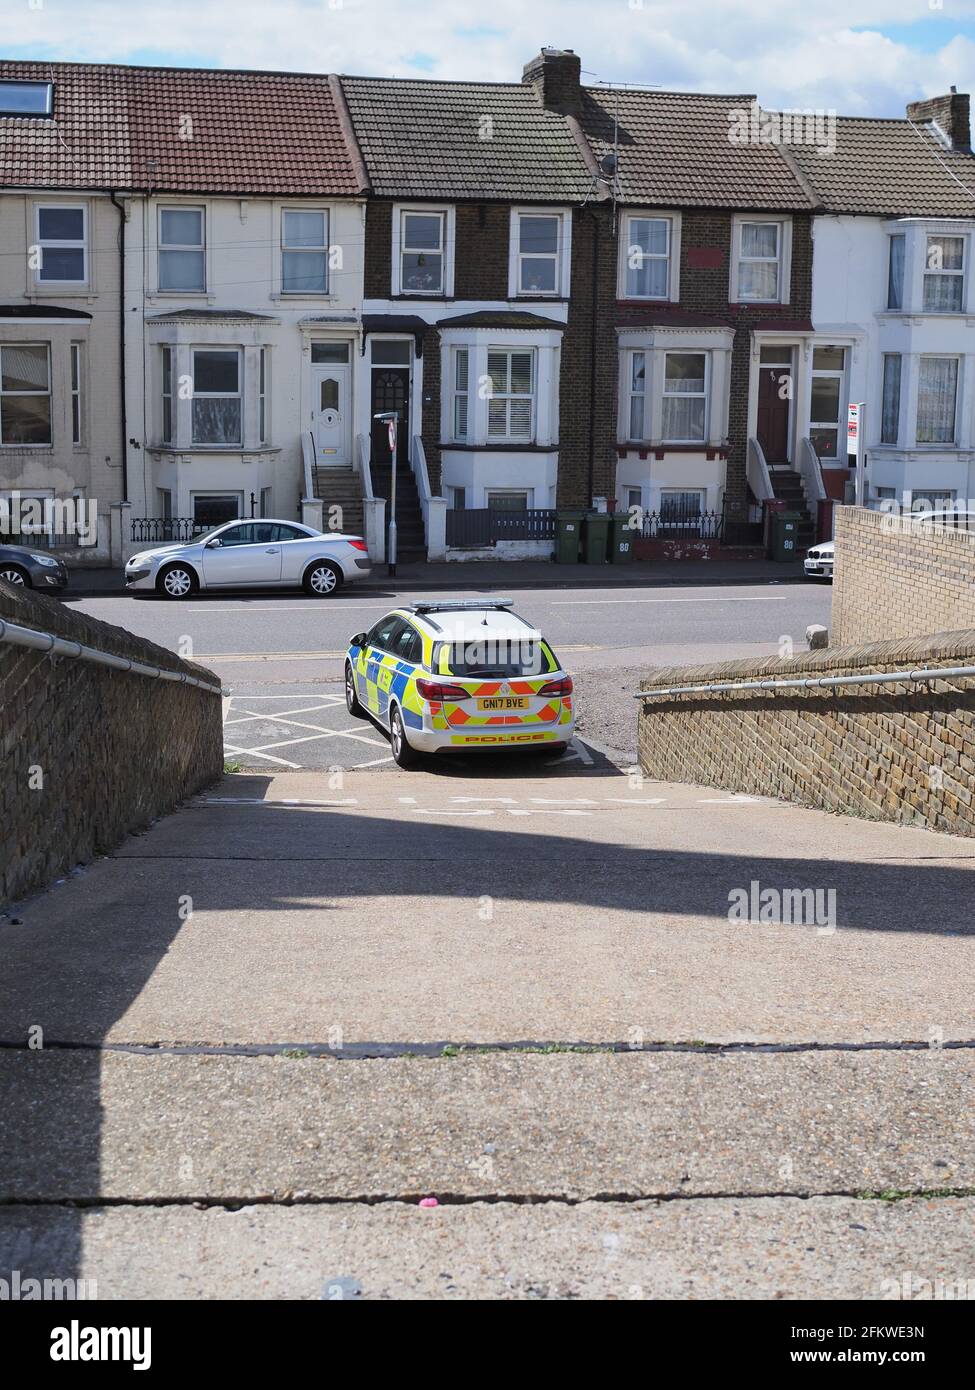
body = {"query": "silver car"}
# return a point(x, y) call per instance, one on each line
point(251, 555)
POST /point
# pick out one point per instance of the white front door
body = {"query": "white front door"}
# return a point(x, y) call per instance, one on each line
point(332, 414)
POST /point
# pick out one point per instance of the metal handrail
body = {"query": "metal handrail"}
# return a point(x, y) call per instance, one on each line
point(812, 682)
point(19, 636)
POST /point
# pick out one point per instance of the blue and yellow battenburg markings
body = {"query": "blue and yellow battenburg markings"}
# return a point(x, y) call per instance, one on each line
point(382, 676)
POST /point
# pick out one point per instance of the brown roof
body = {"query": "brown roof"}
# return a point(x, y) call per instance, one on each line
point(674, 151)
point(425, 139)
point(889, 168)
point(117, 127)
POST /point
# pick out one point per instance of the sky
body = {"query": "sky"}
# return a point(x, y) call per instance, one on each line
point(857, 57)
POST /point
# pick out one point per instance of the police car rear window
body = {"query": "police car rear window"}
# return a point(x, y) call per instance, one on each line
point(491, 657)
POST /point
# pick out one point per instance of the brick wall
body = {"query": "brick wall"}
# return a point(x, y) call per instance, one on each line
point(903, 752)
point(110, 751)
point(896, 577)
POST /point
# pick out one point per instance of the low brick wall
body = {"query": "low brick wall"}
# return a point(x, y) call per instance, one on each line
point(88, 754)
point(903, 752)
point(896, 577)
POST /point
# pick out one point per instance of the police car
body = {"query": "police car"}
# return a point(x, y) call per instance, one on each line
point(457, 676)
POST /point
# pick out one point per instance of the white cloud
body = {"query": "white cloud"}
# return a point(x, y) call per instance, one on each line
point(790, 55)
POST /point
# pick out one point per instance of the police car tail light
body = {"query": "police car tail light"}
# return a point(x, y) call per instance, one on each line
point(434, 690)
point(356, 544)
point(560, 687)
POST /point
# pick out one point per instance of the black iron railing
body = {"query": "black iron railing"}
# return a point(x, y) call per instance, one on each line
point(487, 525)
point(148, 530)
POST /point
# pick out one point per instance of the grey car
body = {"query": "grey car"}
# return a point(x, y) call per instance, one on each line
point(32, 569)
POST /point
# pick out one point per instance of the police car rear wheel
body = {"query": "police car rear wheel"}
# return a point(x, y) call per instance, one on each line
point(403, 754)
point(321, 579)
point(351, 698)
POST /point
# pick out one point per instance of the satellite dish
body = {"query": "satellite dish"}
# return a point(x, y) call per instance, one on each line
point(608, 164)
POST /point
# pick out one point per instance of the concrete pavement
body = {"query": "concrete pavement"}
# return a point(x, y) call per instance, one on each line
point(380, 914)
point(732, 1248)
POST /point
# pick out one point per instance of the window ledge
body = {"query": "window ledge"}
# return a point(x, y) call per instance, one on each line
point(69, 290)
point(208, 449)
point(11, 450)
point(499, 447)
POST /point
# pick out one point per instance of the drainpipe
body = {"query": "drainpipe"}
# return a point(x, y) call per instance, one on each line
point(121, 345)
point(593, 321)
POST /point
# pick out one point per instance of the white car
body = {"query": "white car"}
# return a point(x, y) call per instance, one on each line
point(251, 555)
point(819, 560)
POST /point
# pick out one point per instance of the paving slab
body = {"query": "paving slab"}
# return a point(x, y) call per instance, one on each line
point(762, 1248)
point(424, 907)
point(514, 1126)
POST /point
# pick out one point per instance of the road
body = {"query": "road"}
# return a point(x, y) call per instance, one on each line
point(280, 656)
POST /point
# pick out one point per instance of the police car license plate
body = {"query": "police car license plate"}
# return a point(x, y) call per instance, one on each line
point(503, 703)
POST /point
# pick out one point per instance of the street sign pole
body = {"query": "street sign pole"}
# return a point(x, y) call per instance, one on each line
point(854, 445)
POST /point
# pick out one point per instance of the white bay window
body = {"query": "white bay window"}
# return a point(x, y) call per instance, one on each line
point(937, 391)
point(685, 397)
point(944, 274)
point(510, 392)
point(217, 396)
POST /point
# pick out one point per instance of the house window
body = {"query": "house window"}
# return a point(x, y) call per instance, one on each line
point(459, 498)
point(390, 352)
point(510, 500)
point(647, 247)
point(460, 376)
point(684, 396)
point(510, 403)
point(25, 394)
point(182, 254)
point(329, 352)
point(895, 273)
point(891, 408)
point(304, 252)
point(937, 390)
point(26, 98)
point(167, 395)
point(216, 396)
point(212, 509)
point(680, 512)
point(62, 240)
point(538, 253)
point(262, 396)
point(76, 393)
point(422, 252)
point(759, 262)
point(165, 503)
point(944, 274)
point(637, 416)
point(826, 402)
point(267, 505)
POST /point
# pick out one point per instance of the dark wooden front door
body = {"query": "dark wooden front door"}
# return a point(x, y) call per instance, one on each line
point(390, 391)
point(774, 400)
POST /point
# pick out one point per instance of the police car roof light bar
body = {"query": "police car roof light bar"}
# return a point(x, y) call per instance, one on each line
point(459, 605)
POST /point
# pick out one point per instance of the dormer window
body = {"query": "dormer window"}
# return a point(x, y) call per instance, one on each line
point(26, 98)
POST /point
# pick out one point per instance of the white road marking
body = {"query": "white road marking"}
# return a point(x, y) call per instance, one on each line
point(736, 799)
point(282, 762)
point(448, 811)
point(563, 800)
point(261, 801)
point(637, 801)
point(505, 800)
point(357, 767)
point(739, 598)
point(552, 812)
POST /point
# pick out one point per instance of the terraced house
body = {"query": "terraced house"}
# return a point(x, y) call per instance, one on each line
point(214, 281)
point(205, 228)
point(894, 303)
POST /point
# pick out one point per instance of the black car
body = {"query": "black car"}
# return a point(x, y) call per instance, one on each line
point(33, 569)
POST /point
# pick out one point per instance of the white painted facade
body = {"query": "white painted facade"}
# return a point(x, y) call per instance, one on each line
point(298, 354)
point(852, 305)
point(68, 398)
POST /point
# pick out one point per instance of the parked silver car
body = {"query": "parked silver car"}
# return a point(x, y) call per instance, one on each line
point(251, 555)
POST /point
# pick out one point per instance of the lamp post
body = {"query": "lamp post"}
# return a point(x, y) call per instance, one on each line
point(391, 419)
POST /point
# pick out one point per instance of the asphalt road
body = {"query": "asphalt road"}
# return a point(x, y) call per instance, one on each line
point(280, 656)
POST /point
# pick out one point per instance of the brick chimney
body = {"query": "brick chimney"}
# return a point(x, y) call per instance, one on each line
point(951, 115)
point(555, 75)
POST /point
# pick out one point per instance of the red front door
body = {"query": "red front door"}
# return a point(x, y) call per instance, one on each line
point(774, 400)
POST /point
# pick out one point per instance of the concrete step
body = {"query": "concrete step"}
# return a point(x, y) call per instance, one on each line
point(513, 1125)
point(702, 1249)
